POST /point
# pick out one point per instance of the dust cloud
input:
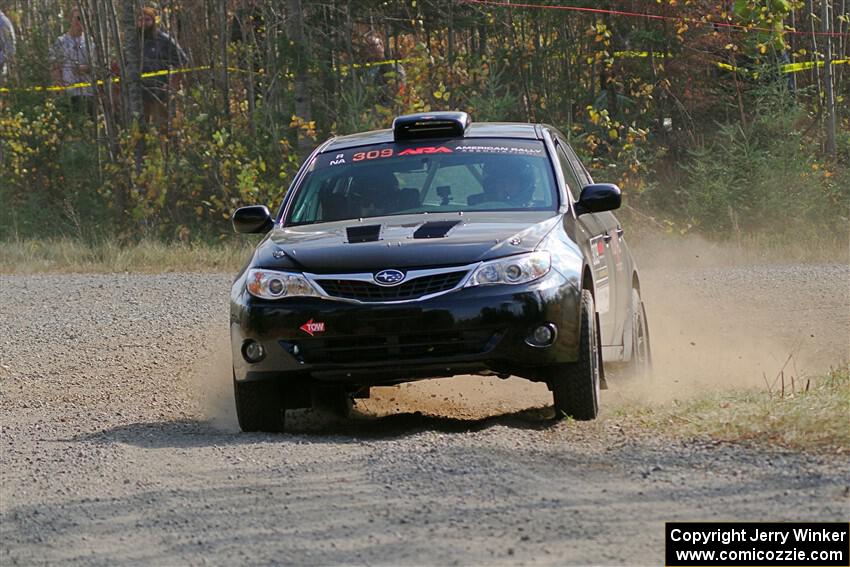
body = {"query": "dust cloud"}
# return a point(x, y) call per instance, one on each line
point(729, 317)
point(719, 318)
point(212, 380)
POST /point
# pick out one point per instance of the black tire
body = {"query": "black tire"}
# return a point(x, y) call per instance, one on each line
point(640, 364)
point(259, 406)
point(575, 386)
point(334, 399)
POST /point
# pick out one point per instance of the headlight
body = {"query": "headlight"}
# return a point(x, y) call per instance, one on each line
point(519, 269)
point(269, 284)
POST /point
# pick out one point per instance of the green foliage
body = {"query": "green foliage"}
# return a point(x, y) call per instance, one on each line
point(494, 100)
point(186, 185)
point(47, 169)
point(765, 176)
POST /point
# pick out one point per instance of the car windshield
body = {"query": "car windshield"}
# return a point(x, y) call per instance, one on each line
point(473, 174)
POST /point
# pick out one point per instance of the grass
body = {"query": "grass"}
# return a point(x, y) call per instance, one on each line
point(18, 256)
point(654, 248)
point(811, 415)
point(659, 241)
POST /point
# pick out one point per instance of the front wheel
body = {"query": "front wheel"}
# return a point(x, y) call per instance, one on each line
point(575, 386)
point(259, 405)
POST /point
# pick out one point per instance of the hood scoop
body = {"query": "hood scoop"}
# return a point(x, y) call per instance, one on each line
point(368, 233)
point(435, 229)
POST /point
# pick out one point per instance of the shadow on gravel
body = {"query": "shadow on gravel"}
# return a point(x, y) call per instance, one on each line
point(312, 427)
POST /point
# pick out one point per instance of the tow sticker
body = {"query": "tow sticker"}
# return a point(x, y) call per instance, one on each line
point(311, 327)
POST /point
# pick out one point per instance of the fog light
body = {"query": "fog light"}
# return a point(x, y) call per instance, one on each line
point(542, 336)
point(253, 351)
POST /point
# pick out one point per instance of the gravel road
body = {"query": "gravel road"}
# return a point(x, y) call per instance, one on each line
point(119, 445)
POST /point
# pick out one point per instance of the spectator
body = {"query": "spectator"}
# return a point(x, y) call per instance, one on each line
point(7, 45)
point(72, 64)
point(387, 79)
point(159, 53)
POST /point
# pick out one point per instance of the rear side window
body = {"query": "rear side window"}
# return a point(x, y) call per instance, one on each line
point(479, 174)
point(569, 176)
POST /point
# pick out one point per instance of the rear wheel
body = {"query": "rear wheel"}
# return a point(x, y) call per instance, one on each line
point(640, 363)
point(259, 406)
point(575, 386)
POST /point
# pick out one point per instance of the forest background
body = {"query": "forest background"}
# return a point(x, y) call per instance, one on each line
point(713, 116)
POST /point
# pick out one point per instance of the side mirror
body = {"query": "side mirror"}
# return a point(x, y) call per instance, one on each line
point(597, 198)
point(255, 219)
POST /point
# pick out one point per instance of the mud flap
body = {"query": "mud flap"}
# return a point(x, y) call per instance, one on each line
point(628, 331)
point(603, 384)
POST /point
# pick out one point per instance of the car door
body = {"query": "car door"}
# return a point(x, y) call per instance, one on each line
point(619, 265)
point(595, 235)
point(606, 255)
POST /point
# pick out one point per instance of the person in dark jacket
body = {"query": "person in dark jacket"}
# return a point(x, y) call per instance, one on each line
point(159, 53)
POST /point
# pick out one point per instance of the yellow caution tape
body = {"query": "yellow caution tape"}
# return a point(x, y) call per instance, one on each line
point(806, 65)
point(787, 68)
point(641, 54)
point(59, 88)
point(164, 72)
point(379, 63)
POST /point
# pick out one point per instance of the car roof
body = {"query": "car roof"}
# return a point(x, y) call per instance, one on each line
point(519, 130)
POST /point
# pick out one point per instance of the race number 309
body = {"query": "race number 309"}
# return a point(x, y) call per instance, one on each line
point(374, 154)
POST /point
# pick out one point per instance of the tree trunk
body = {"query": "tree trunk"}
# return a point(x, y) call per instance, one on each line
point(131, 83)
point(300, 69)
point(131, 80)
point(831, 150)
point(223, 38)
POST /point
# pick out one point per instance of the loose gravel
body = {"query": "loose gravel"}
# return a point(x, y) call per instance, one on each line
point(119, 444)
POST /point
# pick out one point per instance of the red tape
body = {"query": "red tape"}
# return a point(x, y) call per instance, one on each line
point(737, 27)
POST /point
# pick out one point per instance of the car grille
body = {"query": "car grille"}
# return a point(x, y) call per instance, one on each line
point(406, 346)
point(413, 289)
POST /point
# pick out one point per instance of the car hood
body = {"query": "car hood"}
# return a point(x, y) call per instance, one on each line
point(405, 241)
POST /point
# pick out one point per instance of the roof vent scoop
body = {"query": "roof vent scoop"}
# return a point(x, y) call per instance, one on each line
point(368, 233)
point(430, 125)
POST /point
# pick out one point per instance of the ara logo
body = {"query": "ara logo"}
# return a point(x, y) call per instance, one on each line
point(389, 277)
point(312, 327)
point(425, 150)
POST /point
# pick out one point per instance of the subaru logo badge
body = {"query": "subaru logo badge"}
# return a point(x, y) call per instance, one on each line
point(389, 277)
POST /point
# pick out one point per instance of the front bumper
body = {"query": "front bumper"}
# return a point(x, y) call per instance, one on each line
point(472, 330)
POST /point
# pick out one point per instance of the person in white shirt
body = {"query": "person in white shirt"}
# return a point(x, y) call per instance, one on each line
point(72, 64)
point(7, 45)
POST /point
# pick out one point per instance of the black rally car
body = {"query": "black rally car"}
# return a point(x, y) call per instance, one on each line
point(436, 248)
